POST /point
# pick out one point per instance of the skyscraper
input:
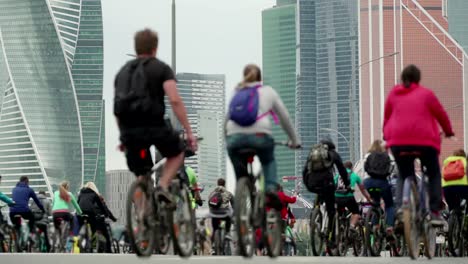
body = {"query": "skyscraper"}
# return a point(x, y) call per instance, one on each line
point(417, 30)
point(327, 62)
point(456, 11)
point(50, 71)
point(117, 184)
point(279, 71)
point(204, 99)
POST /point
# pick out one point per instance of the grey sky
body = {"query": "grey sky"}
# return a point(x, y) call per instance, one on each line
point(214, 36)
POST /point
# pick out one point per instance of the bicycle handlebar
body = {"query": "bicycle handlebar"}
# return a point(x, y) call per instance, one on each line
point(286, 144)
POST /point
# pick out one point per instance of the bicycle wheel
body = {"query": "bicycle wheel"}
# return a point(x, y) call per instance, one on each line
point(84, 242)
point(374, 232)
point(272, 233)
point(164, 235)
point(183, 222)
point(455, 235)
point(410, 212)
point(243, 216)
point(316, 237)
point(217, 243)
point(359, 242)
point(342, 237)
point(140, 225)
point(399, 245)
point(227, 247)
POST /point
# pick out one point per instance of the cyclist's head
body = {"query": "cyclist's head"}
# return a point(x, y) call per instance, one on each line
point(329, 143)
point(221, 182)
point(411, 74)
point(146, 42)
point(92, 186)
point(65, 185)
point(459, 153)
point(24, 179)
point(377, 146)
point(252, 73)
point(348, 164)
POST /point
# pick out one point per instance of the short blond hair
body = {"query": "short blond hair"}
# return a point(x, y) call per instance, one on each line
point(92, 186)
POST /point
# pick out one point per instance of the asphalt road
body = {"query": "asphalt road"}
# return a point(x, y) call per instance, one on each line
point(131, 259)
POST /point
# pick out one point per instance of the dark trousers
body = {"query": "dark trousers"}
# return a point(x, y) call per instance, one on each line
point(43, 228)
point(327, 195)
point(98, 223)
point(454, 195)
point(65, 216)
point(27, 216)
point(386, 195)
point(429, 157)
point(216, 222)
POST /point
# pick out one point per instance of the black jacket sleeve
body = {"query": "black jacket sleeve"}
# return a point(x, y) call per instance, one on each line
point(99, 203)
point(341, 169)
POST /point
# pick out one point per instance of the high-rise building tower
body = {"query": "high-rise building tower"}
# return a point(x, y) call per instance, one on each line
point(51, 108)
point(456, 12)
point(418, 30)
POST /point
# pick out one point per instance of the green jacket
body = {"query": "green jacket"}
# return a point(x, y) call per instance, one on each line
point(63, 206)
point(5, 199)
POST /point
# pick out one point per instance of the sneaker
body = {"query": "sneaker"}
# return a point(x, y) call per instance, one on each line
point(165, 196)
point(273, 201)
point(436, 219)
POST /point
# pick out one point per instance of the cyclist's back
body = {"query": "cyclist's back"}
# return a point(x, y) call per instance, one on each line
point(21, 195)
point(455, 179)
point(63, 203)
point(258, 135)
point(220, 202)
point(411, 128)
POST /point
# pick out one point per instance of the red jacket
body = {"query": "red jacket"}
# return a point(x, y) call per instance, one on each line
point(412, 117)
point(285, 200)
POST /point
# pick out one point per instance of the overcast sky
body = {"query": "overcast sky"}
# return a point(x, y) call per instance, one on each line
point(213, 37)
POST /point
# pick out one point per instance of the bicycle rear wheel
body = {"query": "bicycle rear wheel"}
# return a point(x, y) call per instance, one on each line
point(455, 235)
point(359, 241)
point(243, 215)
point(410, 214)
point(183, 223)
point(316, 238)
point(342, 237)
point(140, 225)
point(272, 233)
point(164, 234)
point(374, 232)
point(217, 243)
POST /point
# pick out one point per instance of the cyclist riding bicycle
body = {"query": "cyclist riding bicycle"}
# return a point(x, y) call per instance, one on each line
point(42, 219)
point(345, 198)
point(455, 180)
point(220, 202)
point(140, 88)
point(64, 202)
point(285, 200)
point(92, 205)
point(193, 185)
point(6, 200)
point(378, 167)
point(251, 129)
point(21, 195)
point(411, 128)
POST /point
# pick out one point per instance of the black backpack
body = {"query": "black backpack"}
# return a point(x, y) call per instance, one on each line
point(215, 200)
point(378, 165)
point(318, 170)
point(133, 104)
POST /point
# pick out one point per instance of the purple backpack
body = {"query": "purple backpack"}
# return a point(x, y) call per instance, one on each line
point(243, 109)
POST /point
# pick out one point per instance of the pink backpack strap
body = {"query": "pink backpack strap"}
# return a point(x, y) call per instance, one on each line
point(273, 114)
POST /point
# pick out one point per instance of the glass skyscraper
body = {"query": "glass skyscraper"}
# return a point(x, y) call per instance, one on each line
point(456, 12)
point(51, 108)
point(279, 71)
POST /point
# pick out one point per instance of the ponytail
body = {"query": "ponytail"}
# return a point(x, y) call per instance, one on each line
point(63, 189)
point(252, 73)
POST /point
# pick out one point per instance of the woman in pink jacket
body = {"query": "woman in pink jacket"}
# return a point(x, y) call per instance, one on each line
point(411, 128)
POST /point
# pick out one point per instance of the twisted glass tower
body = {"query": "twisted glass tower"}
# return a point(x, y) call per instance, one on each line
point(51, 107)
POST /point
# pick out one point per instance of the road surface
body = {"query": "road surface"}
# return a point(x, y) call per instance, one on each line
point(131, 259)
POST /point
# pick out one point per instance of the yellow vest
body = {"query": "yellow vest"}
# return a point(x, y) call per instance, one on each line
point(462, 181)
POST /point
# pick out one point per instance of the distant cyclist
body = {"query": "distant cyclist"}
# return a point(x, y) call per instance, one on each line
point(6, 200)
point(140, 88)
point(220, 202)
point(194, 187)
point(21, 195)
point(345, 198)
point(42, 219)
point(411, 129)
point(378, 167)
point(63, 205)
point(455, 180)
point(251, 129)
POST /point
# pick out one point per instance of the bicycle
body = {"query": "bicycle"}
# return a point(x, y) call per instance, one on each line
point(342, 227)
point(7, 235)
point(222, 242)
point(318, 227)
point(155, 219)
point(61, 239)
point(458, 231)
point(251, 213)
point(416, 216)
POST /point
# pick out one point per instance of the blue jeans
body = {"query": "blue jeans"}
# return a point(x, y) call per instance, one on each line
point(264, 145)
point(385, 194)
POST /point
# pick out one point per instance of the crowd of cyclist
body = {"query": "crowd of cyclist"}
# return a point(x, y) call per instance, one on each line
point(60, 206)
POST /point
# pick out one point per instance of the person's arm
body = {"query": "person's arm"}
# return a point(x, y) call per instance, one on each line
point(33, 195)
point(286, 199)
point(75, 204)
point(99, 203)
point(341, 169)
point(441, 115)
point(283, 115)
point(108, 212)
point(6, 199)
point(365, 192)
point(231, 200)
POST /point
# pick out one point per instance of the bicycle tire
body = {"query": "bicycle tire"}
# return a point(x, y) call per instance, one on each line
point(374, 235)
point(163, 237)
point(411, 229)
point(273, 230)
point(217, 243)
point(359, 242)
point(455, 235)
point(342, 237)
point(145, 249)
point(399, 245)
point(316, 238)
point(243, 216)
point(184, 247)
